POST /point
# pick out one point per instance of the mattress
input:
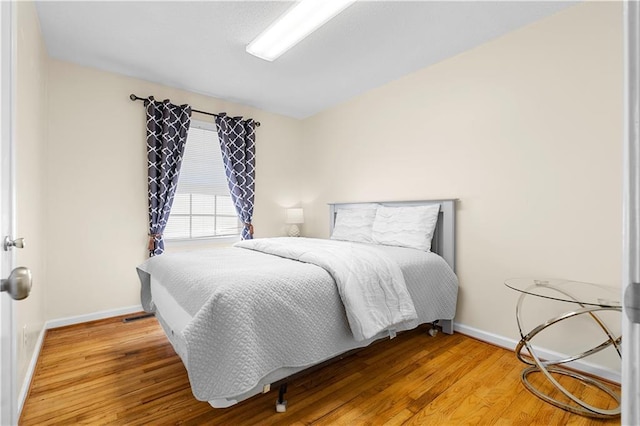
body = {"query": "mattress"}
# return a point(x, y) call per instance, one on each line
point(314, 330)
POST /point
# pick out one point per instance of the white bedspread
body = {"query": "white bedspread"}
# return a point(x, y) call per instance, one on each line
point(370, 283)
point(250, 317)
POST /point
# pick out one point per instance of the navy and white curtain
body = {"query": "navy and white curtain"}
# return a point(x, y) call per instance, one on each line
point(238, 146)
point(167, 126)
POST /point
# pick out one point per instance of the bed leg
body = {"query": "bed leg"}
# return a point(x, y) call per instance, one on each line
point(447, 326)
point(281, 403)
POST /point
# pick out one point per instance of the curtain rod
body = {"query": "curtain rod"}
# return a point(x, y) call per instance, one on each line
point(137, 98)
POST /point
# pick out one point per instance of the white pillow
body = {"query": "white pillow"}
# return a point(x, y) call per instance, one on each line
point(354, 224)
point(411, 227)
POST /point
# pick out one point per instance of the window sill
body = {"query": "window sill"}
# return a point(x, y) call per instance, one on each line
point(179, 244)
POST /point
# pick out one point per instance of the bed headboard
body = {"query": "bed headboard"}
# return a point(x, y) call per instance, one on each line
point(444, 238)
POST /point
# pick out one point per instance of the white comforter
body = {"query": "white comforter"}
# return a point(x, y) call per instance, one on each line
point(251, 318)
point(370, 283)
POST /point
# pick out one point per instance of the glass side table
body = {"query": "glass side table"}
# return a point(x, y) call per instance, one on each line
point(589, 299)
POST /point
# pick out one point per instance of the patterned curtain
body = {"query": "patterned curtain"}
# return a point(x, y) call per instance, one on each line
point(167, 126)
point(238, 146)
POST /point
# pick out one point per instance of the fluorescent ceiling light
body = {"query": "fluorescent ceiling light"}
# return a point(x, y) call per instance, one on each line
point(297, 23)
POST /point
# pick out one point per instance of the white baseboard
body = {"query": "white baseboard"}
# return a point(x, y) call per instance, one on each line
point(580, 365)
point(62, 322)
point(22, 397)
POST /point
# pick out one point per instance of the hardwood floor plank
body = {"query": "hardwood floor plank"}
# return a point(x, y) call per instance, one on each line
point(112, 373)
point(451, 391)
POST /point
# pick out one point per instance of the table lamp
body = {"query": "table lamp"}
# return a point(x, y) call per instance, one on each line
point(294, 217)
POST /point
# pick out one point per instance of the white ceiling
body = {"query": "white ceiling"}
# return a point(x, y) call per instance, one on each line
point(200, 46)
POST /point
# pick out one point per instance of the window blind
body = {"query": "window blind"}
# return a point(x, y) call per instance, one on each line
point(202, 206)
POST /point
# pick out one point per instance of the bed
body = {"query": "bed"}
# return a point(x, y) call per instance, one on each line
point(249, 316)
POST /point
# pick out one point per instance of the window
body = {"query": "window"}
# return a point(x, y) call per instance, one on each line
point(202, 206)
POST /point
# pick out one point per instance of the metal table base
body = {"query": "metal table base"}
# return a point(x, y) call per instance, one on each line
point(547, 367)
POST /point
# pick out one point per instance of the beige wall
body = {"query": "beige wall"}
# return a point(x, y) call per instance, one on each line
point(30, 154)
point(525, 130)
point(97, 183)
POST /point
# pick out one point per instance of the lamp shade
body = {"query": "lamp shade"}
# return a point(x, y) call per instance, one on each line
point(295, 216)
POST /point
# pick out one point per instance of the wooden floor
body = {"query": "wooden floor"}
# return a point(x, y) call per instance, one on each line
point(110, 372)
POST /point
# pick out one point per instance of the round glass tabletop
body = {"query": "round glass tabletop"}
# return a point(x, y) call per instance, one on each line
point(568, 291)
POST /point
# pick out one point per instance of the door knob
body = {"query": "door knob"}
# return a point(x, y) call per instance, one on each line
point(9, 243)
point(18, 285)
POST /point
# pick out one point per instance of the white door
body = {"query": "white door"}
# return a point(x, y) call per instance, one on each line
point(7, 385)
point(6, 347)
point(631, 211)
point(16, 283)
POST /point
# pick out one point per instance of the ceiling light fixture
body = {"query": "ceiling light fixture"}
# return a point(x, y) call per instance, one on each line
point(292, 27)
